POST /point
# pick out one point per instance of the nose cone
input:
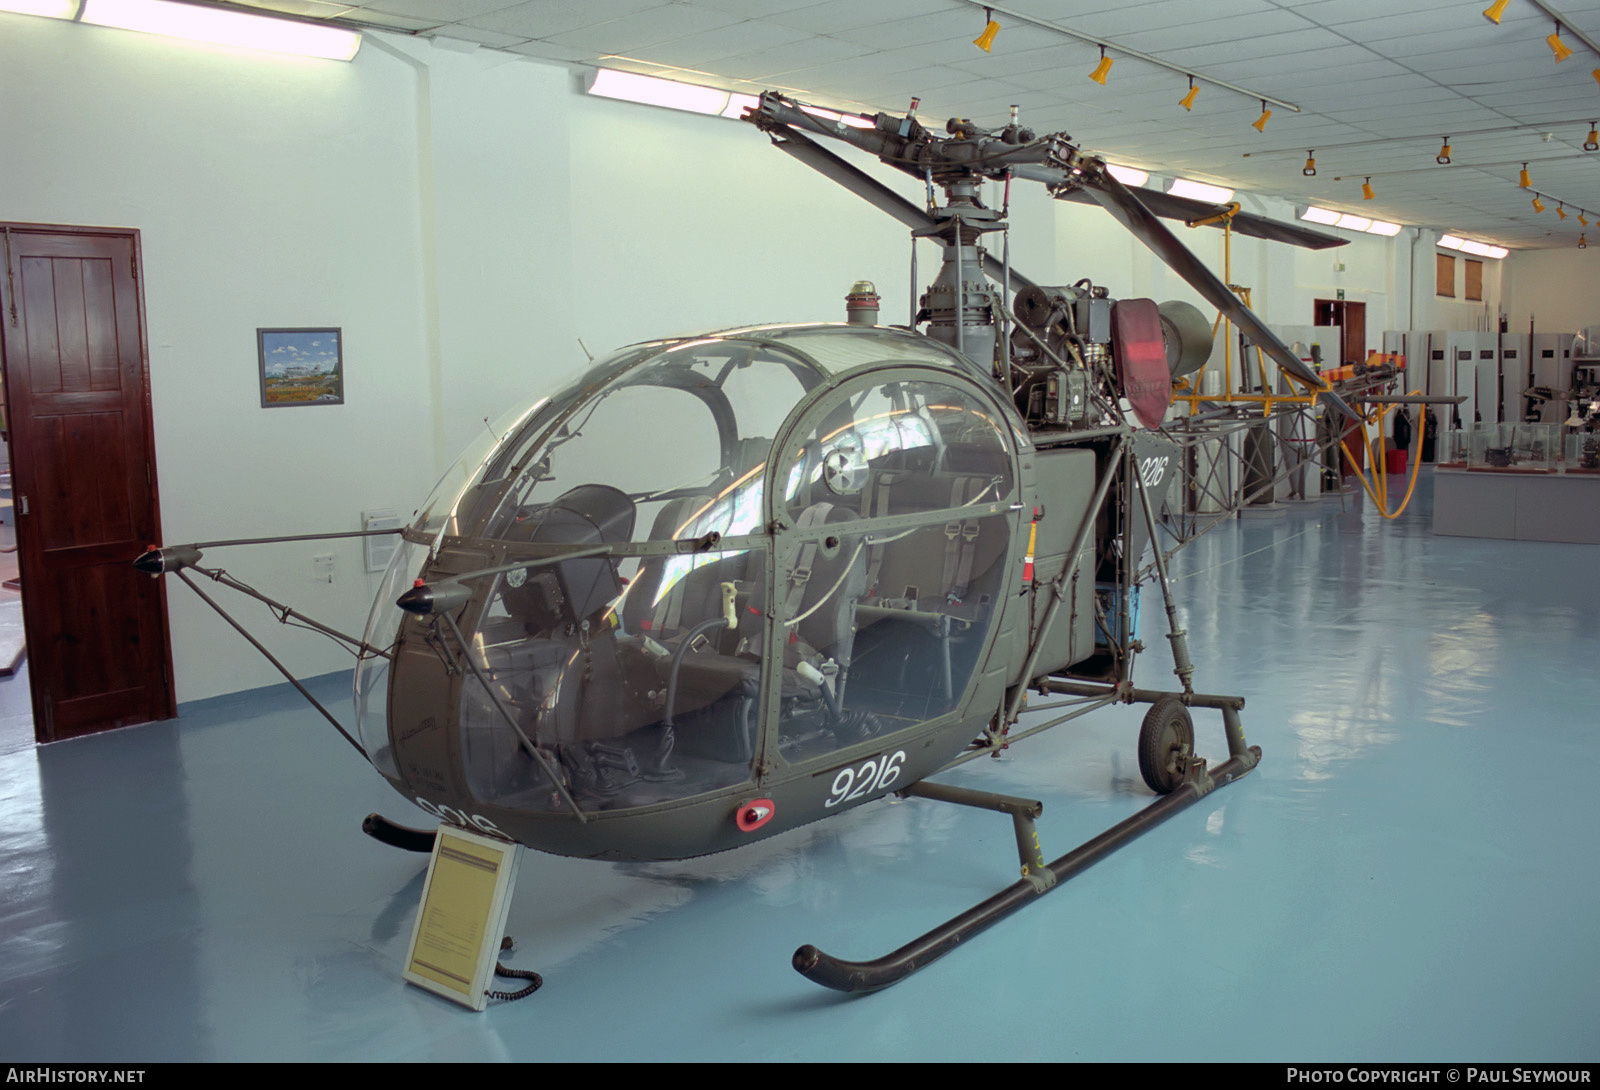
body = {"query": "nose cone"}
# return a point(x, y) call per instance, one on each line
point(155, 561)
point(429, 598)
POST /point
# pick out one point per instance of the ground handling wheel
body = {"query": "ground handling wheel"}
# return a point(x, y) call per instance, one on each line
point(1166, 742)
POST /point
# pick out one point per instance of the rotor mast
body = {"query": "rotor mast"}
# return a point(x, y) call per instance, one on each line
point(960, 304)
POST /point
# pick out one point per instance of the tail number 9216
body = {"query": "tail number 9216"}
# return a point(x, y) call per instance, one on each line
point(873, 775)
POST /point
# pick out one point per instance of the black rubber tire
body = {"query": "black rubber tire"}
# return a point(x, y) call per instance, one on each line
point(1166, 733)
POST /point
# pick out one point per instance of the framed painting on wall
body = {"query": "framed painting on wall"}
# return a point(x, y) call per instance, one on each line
point(300, 367)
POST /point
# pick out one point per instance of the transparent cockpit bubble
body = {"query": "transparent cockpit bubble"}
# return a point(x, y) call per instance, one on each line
point(630, 700)
point(902, 436)
point(693, 422)
point(371, 681)
point(438, 513)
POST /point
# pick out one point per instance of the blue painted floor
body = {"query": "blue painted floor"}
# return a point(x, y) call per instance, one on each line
point(1409, 875)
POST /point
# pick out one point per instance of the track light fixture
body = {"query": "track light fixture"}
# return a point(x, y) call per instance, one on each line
point(1592, 141)
point(993, 10)
point(1260, 123)
point(1596, 75)
point(985, 41)
point(1102, 69)
point(1561, 211)
point(1495, 10)
point(1187, 101)
point(1582, 219)
point(1538, 205)
point(1310, 169)
point(1443, 158)
point(1366, 190)
point(1525, 181)
point(1560, 48)
point(1582, 243)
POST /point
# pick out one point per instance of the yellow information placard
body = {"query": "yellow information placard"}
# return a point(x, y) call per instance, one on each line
point(462, 917)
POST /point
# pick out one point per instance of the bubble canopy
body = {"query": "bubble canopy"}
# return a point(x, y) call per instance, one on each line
point(672, 622)
point(658, 417)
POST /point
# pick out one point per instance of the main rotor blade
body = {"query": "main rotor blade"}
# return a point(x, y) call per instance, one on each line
point(875, 193)
point(1245, 223)
point(1114, 197)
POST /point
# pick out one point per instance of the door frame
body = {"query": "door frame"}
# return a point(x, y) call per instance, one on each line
point(43, 728)
point(1339, 309)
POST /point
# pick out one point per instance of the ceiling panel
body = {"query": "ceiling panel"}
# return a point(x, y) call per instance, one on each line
point(1219, 31)
point(701, 50)
point(436, 12)
point(835, 15)
point(1115, 21)
point(463, 33)
point(547, 18)
point(1378, 84)
point(652, 26)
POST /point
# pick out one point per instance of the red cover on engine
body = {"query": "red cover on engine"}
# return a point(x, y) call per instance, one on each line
point(1141, 356)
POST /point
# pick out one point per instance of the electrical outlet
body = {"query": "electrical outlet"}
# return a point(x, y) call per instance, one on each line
point(323, 567)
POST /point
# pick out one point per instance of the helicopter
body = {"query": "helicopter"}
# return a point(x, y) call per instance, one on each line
point(723, 586)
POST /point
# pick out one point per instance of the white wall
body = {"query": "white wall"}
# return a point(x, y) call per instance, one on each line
point(466, 219)
point(684, 223)
point(268, 192)
point(1557, 290)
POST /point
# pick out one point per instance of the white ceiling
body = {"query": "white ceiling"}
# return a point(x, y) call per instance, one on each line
point(1378, 83)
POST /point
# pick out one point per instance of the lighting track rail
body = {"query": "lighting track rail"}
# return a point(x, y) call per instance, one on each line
point(1105, 43)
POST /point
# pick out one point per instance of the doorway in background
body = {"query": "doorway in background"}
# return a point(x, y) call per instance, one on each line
point(1351, 318)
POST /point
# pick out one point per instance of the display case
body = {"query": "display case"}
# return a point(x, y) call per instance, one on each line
point(1514, 447)
point(1582, 454)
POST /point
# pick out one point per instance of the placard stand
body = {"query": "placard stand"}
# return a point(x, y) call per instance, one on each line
point(462, 917)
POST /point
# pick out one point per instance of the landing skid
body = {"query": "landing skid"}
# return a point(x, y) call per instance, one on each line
point(384, 831)
point(1039, 877)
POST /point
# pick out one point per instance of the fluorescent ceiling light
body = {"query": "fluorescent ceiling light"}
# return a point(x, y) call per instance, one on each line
point(1354, 223)
point(632, 87)
point(55, 9)
point(1379, 227)
point(738, 104)
point(1313, 214)
point(1468, 246)
point(1128, 175)
point(220, 27)
point(1216, 194)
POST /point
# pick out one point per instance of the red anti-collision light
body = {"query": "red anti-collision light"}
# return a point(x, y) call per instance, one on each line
point(754, 814)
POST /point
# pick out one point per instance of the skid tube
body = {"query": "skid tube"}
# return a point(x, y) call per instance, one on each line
point(880, 973)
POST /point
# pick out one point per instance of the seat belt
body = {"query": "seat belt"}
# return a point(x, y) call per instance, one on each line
point(961, 541)
point(800, 574)
point(875, 503)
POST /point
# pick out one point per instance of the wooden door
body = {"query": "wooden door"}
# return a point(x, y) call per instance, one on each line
point(1355, 332)
point(1351, 318)
point(83, 478)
